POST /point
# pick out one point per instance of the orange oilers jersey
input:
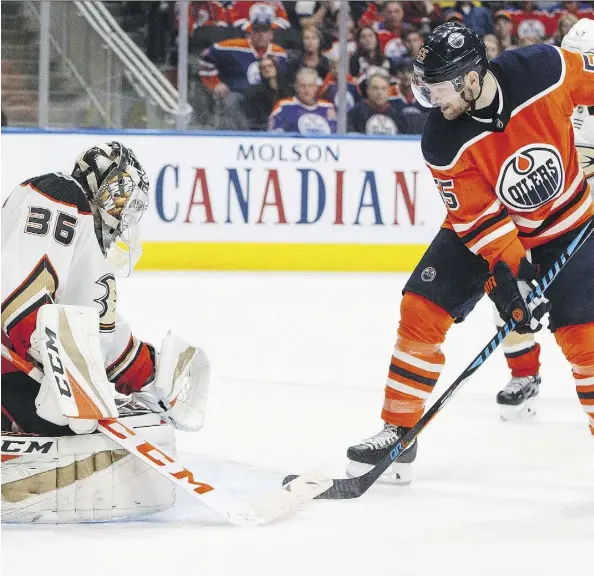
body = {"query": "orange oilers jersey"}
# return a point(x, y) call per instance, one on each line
point(518, 184)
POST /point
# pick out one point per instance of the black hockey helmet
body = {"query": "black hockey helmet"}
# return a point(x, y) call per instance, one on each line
point(451, 51)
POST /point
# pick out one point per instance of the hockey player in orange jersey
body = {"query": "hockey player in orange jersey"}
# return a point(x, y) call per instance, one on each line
point(522, 352)
point(500, 146)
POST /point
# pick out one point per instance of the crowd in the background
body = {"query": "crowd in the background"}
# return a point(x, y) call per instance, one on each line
point(271, 65)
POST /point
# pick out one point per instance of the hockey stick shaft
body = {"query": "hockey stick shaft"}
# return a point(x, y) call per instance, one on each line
point(266, 509)
point(355, 487)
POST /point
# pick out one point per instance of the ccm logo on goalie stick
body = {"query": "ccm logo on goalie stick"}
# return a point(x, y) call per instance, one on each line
point(56, 363)
point(156, 456)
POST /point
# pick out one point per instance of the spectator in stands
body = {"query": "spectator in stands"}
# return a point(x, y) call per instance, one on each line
point(227, 68)
point(404, 102)
point(528, 20)
point(367, 57)
point(422, 15)
point(311, 55)
point(453, 16)
point(476, 17)
point(492, 45)
point(304, 113)
point(578, 9)
point(303, 14)
point(529, 41)
point(373, 14)
point(260, 99)
point(334, 51)
point(375, 115)
point(565, 23)
point(413, 40)
point(207, 14)
point(391, 30)
point(503, 25)
point(243, 13)
point(329, 89)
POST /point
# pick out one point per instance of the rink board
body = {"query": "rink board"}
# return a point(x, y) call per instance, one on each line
point(245, 201)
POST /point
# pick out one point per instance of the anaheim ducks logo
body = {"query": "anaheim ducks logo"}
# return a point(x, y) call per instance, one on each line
point(531, 177)
point(586, 159)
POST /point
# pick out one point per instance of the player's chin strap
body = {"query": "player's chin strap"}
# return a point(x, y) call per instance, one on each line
point(473, 101)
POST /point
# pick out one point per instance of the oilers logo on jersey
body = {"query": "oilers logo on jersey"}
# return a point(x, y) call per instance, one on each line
point(380, 124)
point(313, 124)
point(531, 177)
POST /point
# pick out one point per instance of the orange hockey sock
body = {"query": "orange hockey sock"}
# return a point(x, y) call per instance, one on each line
point(417, 360)
point(577, 343)
point(525, 362)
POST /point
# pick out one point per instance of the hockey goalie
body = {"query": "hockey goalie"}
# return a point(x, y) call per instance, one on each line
point(65, 238)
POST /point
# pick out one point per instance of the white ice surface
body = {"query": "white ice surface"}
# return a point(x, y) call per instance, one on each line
point(299, 365)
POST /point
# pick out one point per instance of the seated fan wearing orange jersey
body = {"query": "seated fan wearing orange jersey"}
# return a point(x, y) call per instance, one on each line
point(501, 148)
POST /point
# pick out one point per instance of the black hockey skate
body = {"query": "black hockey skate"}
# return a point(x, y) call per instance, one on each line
point(517, 398)
point(362, 457)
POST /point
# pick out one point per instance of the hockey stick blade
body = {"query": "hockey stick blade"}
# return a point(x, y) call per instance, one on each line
point(267, 509)
point(347, 488)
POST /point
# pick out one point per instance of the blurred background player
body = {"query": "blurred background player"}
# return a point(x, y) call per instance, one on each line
point(511, 182)
point(522, 352)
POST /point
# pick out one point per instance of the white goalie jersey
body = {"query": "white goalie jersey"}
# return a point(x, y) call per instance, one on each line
point(50, 254)
point(583, 126)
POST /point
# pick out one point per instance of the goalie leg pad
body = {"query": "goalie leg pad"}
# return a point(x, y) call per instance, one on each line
point(84, 478)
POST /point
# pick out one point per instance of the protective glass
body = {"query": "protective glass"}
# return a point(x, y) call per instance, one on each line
point(438, 94)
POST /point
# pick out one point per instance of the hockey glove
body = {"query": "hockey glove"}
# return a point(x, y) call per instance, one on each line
point(149, 395)
point(510, 296)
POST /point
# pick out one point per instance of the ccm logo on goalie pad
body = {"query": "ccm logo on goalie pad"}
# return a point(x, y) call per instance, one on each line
point(10, 446)
point(56, 364)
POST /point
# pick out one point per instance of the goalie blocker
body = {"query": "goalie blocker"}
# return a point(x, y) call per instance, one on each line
point(60, 478)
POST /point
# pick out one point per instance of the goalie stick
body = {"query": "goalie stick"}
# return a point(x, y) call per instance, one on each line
point(267, 509)
point(347, 488)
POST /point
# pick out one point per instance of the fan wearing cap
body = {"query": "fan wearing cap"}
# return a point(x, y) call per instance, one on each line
point(228, 67)
point(500, 146)
point(504, 27)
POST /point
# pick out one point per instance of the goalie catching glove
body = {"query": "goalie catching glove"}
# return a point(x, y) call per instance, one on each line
point(510, 295)
point(179, 390)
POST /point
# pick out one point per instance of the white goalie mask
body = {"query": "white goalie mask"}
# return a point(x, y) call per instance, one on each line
point(117, 188)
